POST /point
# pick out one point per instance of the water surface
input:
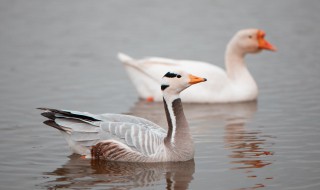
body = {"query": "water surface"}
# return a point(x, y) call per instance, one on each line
point(63, 55)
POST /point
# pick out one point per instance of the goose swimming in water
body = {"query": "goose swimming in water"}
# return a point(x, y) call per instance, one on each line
point(233, 85)
point(118, 137)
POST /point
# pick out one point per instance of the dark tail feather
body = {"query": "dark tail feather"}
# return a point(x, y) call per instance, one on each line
point(53, 124)
point(50, 113)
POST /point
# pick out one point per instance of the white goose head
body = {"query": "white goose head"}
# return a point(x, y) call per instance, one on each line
point(251, 41)
point(175, 82)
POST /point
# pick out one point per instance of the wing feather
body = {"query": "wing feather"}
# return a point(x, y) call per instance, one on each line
point(76, 125)
point(132, 119)
point(139, 137)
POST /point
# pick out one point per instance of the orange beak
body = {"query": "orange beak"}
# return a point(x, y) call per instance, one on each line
point(195, 79)
point(264, 44)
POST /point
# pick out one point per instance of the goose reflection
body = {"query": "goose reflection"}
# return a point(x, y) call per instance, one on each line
point(84, 173)
point(248, 147)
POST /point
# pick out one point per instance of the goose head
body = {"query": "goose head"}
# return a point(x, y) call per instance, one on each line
point(174, 82)
point(251, 41)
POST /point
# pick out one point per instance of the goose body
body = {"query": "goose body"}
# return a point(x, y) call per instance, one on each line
point(235, 84)
point(119, 137)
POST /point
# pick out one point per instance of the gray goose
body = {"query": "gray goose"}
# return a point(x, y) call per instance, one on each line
point(118, 137)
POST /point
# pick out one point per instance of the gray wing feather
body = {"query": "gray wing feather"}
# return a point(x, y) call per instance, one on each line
point(139, 137)
point(129, 139)
point(130, 119)
point(76, 125)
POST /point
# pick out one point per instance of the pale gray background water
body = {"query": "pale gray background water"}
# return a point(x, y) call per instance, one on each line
point(62, 54)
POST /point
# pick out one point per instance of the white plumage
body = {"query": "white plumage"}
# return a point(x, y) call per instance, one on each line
point(233, 85)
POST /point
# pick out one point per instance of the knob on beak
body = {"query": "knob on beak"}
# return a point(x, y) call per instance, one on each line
point(264, 44)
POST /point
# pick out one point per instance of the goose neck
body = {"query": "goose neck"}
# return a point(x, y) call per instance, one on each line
point(234, 61)
point(178, 127)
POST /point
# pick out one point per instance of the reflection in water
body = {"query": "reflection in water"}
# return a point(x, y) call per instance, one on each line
point(83, 173)
point(248, 147)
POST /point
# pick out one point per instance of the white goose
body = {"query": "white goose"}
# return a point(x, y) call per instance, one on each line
point(233, 85)
point(127, 138)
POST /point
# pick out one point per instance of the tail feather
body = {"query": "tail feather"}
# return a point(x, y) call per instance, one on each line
point(55, 113)
point(53, 124)
point(48, 115)
point(77, 128)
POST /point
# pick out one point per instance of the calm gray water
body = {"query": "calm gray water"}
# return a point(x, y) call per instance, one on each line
point(62, 54)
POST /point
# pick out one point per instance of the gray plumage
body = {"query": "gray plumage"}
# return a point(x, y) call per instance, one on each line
point(119, 137)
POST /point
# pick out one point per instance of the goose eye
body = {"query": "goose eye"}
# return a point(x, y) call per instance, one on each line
point(179, 76)
point(250, 36)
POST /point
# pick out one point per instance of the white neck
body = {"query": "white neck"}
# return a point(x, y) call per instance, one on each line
point(170, 96)
point(234, 61)
point(239, 74)
point(171, 118)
